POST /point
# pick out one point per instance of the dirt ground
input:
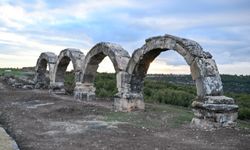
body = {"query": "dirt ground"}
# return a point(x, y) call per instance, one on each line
point(38, 120)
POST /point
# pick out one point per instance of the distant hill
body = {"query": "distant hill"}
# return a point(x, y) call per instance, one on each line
point(231, 83)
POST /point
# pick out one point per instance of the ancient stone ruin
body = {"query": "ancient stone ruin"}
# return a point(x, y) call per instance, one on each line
point(211, 108)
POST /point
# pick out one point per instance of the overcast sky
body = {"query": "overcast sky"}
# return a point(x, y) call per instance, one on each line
point(222, 27)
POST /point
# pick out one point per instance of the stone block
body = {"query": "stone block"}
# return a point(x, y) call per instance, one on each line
point(189, 58)
point(209, 120)
point(129, 102)
point(202, 67)
point(214, 112)
point(84, 91)
point(215, 107)
point(122, 62)
point(209, 86)
point(218, 100)
point(56, 85)
point(159, 43)
point(180, 50)
point(122, 80)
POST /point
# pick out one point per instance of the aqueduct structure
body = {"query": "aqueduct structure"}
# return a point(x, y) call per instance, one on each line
point(211, 108)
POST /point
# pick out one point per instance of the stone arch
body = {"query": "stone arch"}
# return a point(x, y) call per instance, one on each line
point(118, 56)
point(211, 108)
point(45, 59)
point(64, 58)
point(203, 67)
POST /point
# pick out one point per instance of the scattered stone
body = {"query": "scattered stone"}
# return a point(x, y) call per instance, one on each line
point(6, 142)
point(28, 87)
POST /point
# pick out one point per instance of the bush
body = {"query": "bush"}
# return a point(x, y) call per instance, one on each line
point(243, 100)
point(164, 92)
point(244, 113)
point(105, 84)
point(160, 91)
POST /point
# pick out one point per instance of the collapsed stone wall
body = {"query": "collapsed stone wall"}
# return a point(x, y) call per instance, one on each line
point(211, 108)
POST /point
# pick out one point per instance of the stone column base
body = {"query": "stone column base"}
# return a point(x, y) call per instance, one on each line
point(84, 92)
point(57, 88)
point(129, 102)
point(214, 112)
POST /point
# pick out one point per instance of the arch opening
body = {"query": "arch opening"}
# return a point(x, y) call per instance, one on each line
point(105, 80)
point(43, 75)
point(61, 75)
point(207, 80)
point(117, 55)
point(142, 67)
point(167, 87)
point(203, 68)
point(44, 69)
point(92, 66)
point(208, 106)
point(65, 75)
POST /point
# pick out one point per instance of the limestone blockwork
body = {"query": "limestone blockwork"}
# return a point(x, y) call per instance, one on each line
point(118, 56)
point(45, 59)
point(211, 108)
point(64, 58)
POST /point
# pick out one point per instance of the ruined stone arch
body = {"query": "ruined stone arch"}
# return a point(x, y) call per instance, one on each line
point(211, 108)
point(119, 58)
point(203, 68)
point(45, 59)
point(64, 58)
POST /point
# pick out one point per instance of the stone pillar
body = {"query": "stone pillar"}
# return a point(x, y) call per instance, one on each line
point(214, 112)
point(211, 109)
point(43, 81)
point(55, 86)
point(84, 91)
point(129, 102)
point(125, 100)
point(51, 72)
point(207, 78)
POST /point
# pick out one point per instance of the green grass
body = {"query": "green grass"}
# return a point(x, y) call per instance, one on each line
point(243, 100)
point(243, 124)
point(163, 92)
point(69, 82)
point(155, 91)
point(156, 116)
point(13, 72)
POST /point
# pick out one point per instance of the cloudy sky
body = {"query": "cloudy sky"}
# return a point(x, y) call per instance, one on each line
point(222, 27)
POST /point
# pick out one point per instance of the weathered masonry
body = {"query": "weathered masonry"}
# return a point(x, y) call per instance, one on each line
point(45, 59)
point(211, 108)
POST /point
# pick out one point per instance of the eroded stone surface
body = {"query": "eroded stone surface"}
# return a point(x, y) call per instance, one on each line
point(6, 142)
point(211, 85)
point(129, 102)
point(118, 56)
point(64, 58)
point(202, 67)
point(218, 100)
point(46, 58)
point(84, 91)
point(214, 112)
